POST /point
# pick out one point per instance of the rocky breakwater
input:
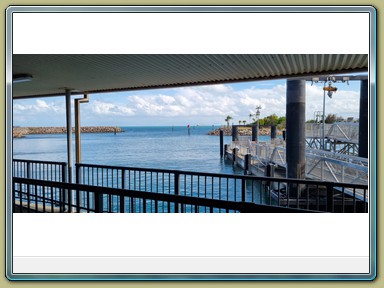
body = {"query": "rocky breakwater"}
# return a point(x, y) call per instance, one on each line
point(22, 131)
point(243, 131)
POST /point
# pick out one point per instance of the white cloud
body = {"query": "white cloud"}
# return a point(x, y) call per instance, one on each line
point(38, 105)
point(343, 103)
point(106, 108)
point(217, 101)
point(200, 104)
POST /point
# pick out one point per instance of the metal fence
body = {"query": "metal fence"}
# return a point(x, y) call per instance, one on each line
point(290, 193)
point(320, 164)
point(102, 188)
point(42, 170)
point(35, 196)
point(145, 202)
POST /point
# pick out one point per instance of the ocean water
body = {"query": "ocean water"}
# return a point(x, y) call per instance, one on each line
point(173, 148)
point(147, 147)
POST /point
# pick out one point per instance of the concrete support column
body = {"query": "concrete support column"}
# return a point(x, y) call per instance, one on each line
point(273, 133)
point(235, 135)
point(295, 135)
point(69, 133)
point(254, 133)
point(363, 119)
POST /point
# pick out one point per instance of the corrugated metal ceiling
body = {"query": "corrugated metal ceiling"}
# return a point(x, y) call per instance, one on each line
point(52, 74)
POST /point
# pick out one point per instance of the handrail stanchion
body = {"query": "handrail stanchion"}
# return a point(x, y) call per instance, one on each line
point(122, 199)
point(330, 198)
point(243, 188)
point(177, 189)
point(63, 192)
point(77, 190)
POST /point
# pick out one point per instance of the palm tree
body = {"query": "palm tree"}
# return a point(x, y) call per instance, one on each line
point(239, 122)
point(228, 119)
point(244, 121)
point(250, 116)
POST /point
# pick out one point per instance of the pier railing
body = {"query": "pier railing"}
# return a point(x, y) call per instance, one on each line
point(128, 201)
point(43, 170)
point(40, 170)
point(290, 193)
point(344, 131)
point(101, 188)
point(321, 165)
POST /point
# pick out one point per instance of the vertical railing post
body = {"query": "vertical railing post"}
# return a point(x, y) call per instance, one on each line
point(99, 196)
point(28, 170)
point(330, 199)
point(247, 161)
point(243, 188)
point(14, 198)
point(177, 189)
point(122, 200)
point(28, 188)
point(99, 202)
point(63, 191)
point(78, 177)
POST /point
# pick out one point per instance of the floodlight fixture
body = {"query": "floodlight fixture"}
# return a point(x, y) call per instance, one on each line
point(20, 78)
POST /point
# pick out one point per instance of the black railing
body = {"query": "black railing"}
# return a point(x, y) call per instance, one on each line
point(42, 170)
point(273, 192)
point(290, 193)
point(129, 201)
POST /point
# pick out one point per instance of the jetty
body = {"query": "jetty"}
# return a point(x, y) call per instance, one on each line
point(337, 162)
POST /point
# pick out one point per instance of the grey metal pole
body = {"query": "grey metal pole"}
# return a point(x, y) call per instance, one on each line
point(69, 133)
point(323, 130)
point(363, 119)
point(295, 137)
point(70, 196)
point(78, 126)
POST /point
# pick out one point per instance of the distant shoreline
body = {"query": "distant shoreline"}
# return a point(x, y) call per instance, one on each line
point(19, 132)
point(243, 131)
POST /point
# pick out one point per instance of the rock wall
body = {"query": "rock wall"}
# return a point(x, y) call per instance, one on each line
point(243, 131)
point(22, 131)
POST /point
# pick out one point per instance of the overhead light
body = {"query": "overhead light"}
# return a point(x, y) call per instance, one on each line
point(330, 90)
point(19, 78)
point(315, 80)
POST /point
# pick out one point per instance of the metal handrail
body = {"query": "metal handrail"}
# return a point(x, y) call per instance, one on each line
point(202, 185)
point(223, 175)
point(179, 200)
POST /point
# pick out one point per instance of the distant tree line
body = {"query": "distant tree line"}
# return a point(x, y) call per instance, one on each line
point(332, 118)
point(272, 119)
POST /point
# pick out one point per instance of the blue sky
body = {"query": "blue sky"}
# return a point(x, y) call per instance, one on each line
point(198, 105)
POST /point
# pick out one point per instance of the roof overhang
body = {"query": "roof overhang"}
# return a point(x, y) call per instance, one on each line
point(52, 74)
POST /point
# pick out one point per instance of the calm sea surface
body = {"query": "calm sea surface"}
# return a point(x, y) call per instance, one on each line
point(148, 147)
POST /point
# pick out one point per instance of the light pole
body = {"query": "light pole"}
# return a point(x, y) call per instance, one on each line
point(258, 108)
point(323, 130)
point(330, 90)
